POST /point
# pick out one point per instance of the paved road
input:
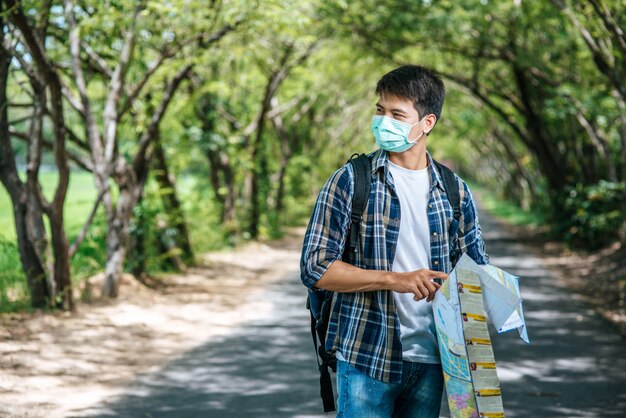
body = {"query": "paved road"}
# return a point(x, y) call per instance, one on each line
point(575, 367)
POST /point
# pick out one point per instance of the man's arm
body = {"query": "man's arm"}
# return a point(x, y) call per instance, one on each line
point(321, 266)
point(344, 277)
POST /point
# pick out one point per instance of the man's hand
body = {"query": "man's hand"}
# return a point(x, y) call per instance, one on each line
point(418, 282)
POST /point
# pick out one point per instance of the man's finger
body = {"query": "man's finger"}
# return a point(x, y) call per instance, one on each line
point(438, 274)
point(423, 290)
point(430, 287)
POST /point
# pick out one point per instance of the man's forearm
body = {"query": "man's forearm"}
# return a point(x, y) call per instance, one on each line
point(344, 277)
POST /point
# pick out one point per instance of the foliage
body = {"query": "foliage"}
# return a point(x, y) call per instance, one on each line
point(534, 109)
point(594, 214)
point(507, 210)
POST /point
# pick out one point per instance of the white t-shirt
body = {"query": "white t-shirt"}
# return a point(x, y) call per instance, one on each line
point(417, 324)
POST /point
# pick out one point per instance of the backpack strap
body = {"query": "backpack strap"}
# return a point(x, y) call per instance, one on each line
point(452, 188)
point(362, 185)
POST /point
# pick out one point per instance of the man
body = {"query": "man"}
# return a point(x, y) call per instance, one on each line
point(381, 326)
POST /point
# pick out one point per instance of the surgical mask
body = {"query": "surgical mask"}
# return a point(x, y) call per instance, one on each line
point(393, 135)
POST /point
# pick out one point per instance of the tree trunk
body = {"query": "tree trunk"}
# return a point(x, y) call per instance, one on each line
point(255, 174)
point(60, 244)
point(32, 245)
point(280, 192)
point(231, 194)
point(171, 203)
point(542, 147)
point(27, 210)
point(138, 244)
point(62, 275)
point(117, 240)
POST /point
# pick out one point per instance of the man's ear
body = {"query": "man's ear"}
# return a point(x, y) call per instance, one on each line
point(431, 121)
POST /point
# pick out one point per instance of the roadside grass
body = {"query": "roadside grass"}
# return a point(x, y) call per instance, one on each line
point(14, 294)
point(505, 210)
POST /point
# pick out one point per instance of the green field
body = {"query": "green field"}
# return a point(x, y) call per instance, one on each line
point(79, 203)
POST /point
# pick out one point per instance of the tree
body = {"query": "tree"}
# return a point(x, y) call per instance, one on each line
point(102, 123)
point(28, 200)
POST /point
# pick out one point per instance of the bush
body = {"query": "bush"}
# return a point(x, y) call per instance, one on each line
point(592, 214)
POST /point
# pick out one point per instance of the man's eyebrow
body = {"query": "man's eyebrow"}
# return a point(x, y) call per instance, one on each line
point(393, 110)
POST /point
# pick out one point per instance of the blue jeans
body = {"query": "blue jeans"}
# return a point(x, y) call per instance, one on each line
point(417, 396)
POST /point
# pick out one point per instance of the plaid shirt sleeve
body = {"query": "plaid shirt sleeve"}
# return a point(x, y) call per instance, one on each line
point(325, 236)
point(470, 240)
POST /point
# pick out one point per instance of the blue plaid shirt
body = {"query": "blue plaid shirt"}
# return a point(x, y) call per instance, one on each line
point(364, 326)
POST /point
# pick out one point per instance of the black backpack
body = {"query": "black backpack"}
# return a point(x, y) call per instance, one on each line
point(319, 301)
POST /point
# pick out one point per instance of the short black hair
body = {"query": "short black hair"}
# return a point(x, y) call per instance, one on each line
point(421, 85)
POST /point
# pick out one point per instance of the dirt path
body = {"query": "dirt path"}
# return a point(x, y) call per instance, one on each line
point(55, 365)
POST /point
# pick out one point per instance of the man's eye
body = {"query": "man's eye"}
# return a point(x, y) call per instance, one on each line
point(398, 116)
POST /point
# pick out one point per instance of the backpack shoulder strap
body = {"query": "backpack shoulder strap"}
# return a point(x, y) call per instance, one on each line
point(452, 188)
point(362, 184)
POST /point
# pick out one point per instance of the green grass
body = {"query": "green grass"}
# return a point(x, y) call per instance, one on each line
point(78, 205)
point(506, 210)
point(13, 289)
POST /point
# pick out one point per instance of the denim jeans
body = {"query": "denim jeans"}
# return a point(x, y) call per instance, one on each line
point(417, 396)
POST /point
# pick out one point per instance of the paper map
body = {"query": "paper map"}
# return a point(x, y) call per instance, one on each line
point(472, 295)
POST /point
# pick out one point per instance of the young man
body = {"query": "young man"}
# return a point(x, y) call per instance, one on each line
point(381, 325)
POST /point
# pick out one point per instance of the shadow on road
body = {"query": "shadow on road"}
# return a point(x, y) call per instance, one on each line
point(265, 369)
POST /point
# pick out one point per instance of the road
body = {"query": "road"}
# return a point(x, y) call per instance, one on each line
point(575, 366)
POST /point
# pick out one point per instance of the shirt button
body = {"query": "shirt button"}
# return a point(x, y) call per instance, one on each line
point(434, 234)
point(397, 221)
point(436, 262)
point(430, 206)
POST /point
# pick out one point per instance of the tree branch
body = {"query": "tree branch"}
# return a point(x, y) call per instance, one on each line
point(476, 92)
point(116, 85)
point(85, 107)
point(80, 161)
point(169, 51)
point(150, 133)
point(612, 27)
point(99, 63)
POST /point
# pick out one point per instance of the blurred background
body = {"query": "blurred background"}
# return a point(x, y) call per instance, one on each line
point(136, 136)
point(165, 129)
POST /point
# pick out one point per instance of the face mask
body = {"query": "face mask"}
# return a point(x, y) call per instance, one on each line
point(393, 135)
